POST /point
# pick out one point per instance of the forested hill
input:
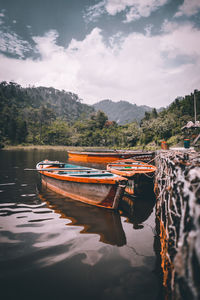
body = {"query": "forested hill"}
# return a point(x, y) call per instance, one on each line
point(52, 117)
point(31, 109)
point(65, 105)
point(122, 112)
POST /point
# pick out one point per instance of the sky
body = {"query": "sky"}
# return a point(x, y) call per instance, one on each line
point(146, 52)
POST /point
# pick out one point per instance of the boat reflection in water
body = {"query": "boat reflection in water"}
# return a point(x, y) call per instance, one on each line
point(104, 222)
point(94, 220)
point(137, 209)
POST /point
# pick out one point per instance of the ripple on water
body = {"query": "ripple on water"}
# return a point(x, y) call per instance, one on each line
point(28, 195)
point(9, 183)
point(79, 244)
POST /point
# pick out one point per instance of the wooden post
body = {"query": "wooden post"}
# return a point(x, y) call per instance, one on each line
point(195, 108)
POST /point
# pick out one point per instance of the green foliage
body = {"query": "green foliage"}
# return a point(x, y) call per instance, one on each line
point(48, 116)
point(154, 113)
point(132, 134)
point(174, 140)
point(166, 124)
point(26, 114)
point(58, 133)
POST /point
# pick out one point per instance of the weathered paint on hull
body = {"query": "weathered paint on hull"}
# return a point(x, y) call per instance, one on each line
point(102, 195)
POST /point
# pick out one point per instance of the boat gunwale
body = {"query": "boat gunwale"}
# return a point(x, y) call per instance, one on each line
point(129, 169)
point(67, 177)
point(83, 179)
point(140, 170)
point(114, 153)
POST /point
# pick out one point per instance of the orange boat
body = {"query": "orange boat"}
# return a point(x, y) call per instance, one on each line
point(87, 185)
point(130, 167)
point(139, 174)
point(108, 156)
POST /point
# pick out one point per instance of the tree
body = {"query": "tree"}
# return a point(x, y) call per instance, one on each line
point(132, 134)
point(45, 115)
point(58, 133)
point(101, 119)
point(21, 131)
point(154, 113)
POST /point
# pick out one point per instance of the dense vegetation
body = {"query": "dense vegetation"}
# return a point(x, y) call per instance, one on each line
point(167, 125)
point(49, 116)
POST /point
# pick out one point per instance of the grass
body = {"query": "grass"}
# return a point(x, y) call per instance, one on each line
point(49, 147)
point(41, 147)
point(149, 147)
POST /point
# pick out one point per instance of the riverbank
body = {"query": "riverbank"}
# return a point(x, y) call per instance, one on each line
point(48, 147)
point(74, 148)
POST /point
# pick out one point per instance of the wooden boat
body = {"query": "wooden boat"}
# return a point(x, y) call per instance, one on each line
point(130, 167)
point(139, 174)
point(88, 185)
point(108, 156)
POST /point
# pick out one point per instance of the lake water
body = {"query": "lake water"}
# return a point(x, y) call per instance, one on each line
point(52, 247)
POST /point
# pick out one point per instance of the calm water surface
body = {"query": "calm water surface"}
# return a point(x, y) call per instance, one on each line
point(55, 248)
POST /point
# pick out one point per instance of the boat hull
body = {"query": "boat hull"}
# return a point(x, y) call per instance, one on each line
point(104, 157)
point(139, 174)
point(140, 184)
point(102, 195)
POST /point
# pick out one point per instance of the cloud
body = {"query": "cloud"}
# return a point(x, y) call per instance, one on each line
point(175, 37)
point(46, 45)
point(11, 43)
point(2, 15)
point(94, 12)
point(145, 69)
point(188, 8)
point(134, 9)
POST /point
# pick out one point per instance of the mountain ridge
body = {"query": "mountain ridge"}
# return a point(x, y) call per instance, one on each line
point(122, 112)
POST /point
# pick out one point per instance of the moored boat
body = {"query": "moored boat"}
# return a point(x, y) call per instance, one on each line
point(88, 185)
point(130, 167)
point(139, 174)
point(108, 156)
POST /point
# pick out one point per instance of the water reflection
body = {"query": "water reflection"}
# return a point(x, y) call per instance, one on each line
point(104, 222)
point(54, 247)
point(137, 209)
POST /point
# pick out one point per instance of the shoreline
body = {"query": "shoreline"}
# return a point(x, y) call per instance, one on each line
point(50, 147)
point(75, 148)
